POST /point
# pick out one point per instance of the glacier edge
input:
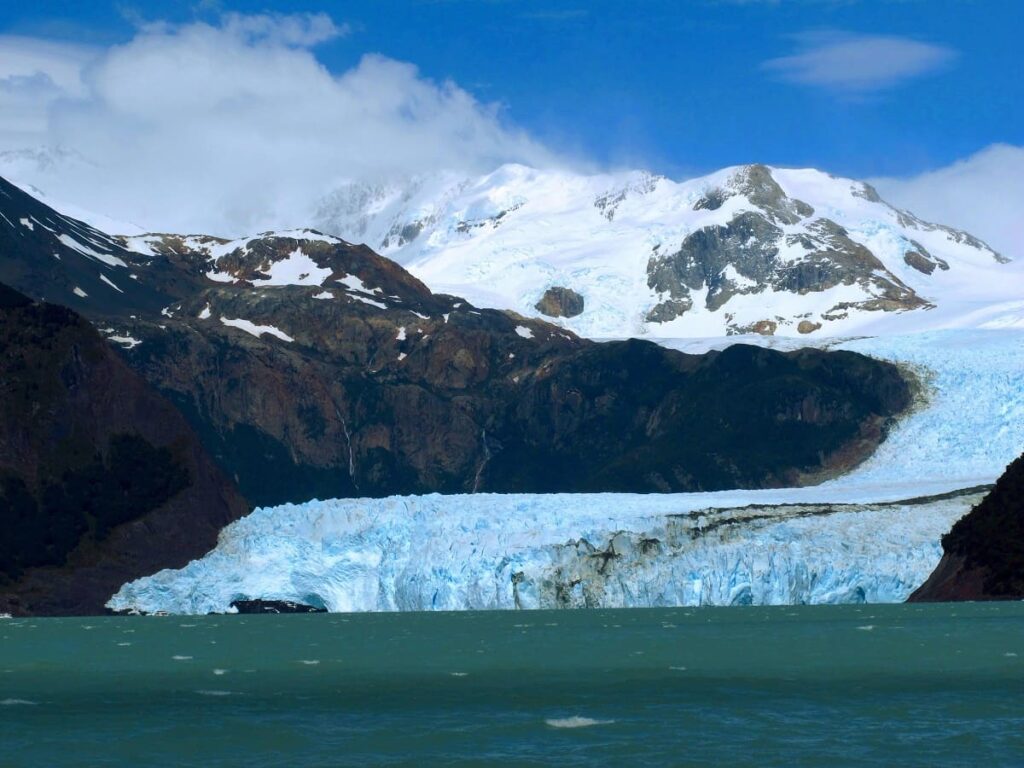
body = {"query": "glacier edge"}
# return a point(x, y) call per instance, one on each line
point(560, 551)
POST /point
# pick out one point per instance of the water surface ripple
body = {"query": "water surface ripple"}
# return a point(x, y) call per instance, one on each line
point(934, 685)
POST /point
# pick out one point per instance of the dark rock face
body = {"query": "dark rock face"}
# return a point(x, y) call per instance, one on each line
point(101, 479)
point(623, 416)
point(705, 255)
point(921, 260)
point(54, 258)
point(560, 302)
point(348, 377)
point(757, 183)
point(983, 554)
point(806, 326)
point(274, 606)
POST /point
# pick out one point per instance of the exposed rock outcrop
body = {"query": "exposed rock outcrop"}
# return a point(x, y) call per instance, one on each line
point(983, 554)
point(754, 253)
point(560, 302)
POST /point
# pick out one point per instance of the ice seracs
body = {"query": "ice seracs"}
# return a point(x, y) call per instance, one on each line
point(561, 551)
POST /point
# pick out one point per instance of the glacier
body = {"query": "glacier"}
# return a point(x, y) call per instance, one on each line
point(871, 536)
point(489, 551)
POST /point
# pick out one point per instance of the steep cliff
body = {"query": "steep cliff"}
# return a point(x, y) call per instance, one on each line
point(101, 479)
point(983, 554)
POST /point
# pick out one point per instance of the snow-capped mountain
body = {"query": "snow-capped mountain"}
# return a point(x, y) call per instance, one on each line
point(749, 249)
point(350, 377)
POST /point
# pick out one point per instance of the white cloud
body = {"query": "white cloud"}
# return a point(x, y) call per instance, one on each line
point(302, 30)
point(33, 75)
point(233, 127)
point(983, 194)
point(858, 64)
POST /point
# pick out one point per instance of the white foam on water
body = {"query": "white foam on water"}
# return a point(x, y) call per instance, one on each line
point(18, 703)
point(214, 693)
point(309, 662)
point(575, 722)
point(219, 672)
point(182, 658)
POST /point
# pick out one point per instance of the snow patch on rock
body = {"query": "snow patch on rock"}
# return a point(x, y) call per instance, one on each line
point(256, 330)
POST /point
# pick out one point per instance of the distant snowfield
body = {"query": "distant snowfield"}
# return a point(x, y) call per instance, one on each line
point(622, 550)
point(502, 239)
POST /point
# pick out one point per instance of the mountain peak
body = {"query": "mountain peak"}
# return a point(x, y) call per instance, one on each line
point(747, 249)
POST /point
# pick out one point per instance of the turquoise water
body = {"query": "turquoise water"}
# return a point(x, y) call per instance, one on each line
point(935, 685)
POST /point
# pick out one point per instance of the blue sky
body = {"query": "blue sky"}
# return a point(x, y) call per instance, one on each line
point(680, 87)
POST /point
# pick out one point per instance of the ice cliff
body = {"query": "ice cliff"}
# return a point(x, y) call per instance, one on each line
point(609, 550)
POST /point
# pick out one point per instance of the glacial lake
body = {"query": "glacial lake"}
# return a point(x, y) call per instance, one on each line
point(908, 685)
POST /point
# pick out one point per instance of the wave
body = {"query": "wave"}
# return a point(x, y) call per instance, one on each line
point(575, 722)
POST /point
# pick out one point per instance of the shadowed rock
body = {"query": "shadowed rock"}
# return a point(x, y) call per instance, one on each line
point(314, 368)
point(983, 554)
point(101, 479)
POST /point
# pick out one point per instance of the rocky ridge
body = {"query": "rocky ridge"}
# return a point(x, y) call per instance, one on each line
point(312, 367)
point(983, 554)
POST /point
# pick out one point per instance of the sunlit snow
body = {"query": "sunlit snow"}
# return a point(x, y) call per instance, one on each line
point(85, 250)
point(256, 330)
point(501, 240)
point(297, 269)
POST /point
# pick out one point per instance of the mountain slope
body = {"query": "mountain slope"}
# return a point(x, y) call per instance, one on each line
point(983, 554)
point(311, 367)
point(57, 258)
point(101, 479)
point(750, 249)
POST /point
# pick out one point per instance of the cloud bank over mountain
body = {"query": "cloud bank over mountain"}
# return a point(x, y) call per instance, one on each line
point(230, 127)
point(983, 194)
point(858, 64)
